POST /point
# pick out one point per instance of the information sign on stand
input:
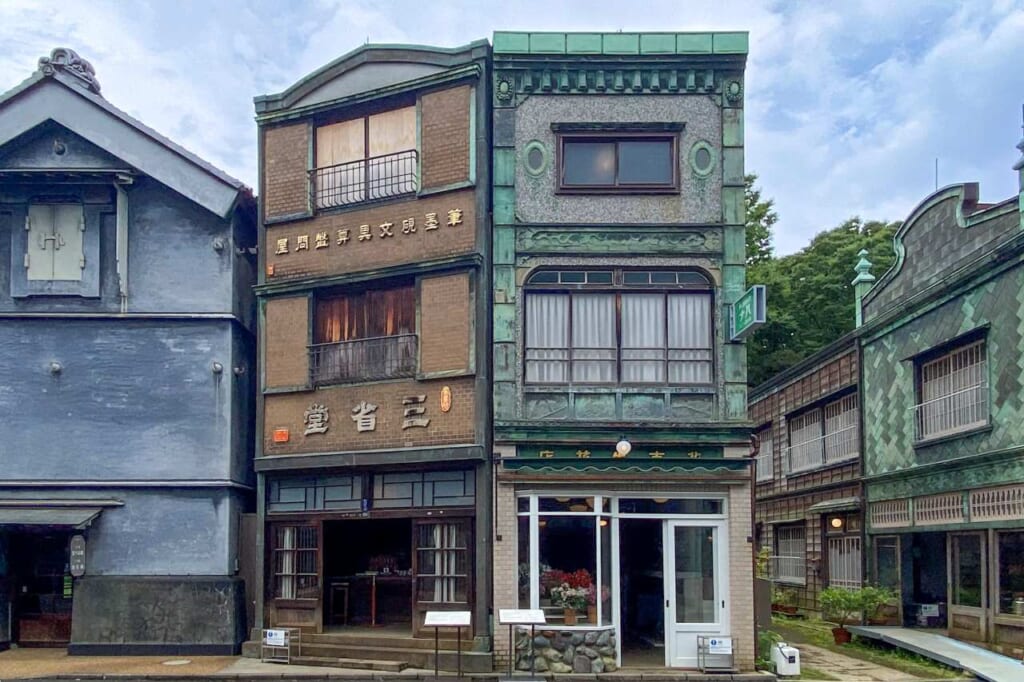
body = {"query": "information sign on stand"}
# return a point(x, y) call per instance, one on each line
point(276, 644)
point(447, 619)
point(520, 618)
point(715, 654)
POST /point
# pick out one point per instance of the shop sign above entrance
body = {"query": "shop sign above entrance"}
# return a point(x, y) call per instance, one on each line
point(748, 313)
point(77, 552)
point(609, 452)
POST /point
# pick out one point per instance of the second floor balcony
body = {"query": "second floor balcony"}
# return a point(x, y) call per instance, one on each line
point(371, 359)
point(365, 180)
point(839, 446)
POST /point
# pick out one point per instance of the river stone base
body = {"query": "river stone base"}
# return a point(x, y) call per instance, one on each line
point(571, 651)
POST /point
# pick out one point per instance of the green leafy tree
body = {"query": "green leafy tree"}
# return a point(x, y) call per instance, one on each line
point(810, 298)
point(761, 218)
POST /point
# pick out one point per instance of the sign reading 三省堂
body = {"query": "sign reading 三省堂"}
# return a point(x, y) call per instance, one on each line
point(748, 313)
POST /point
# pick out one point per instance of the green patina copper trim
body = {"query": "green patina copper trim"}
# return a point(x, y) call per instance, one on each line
point(534, 466)
point(603, 450)
point(545, 160)
point(659, 43)
point(666, 434)
point(705, 171)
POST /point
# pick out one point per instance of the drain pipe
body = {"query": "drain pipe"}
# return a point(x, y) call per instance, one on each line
point(755, 449)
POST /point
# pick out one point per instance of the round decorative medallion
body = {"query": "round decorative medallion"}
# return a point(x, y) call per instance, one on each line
point(702, 158)
point(503, 88)
point(536, 158)
point(733, 91)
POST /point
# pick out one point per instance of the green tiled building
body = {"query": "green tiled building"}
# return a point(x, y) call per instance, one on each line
point(943, 413)
point(620, 422)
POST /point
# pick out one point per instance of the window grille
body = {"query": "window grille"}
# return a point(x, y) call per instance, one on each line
point(938, 509)
point(764, 457)
point(844, 564)
point(295, 562)
point(824, 436)
point(790, 562)
point(953, 391)
point(890, 514)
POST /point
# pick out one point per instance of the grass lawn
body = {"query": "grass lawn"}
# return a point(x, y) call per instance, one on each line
point(819, 633)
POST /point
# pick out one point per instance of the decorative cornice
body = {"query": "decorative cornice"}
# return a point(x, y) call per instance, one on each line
point(68, 61)
point(514, 80)
point(635, 240)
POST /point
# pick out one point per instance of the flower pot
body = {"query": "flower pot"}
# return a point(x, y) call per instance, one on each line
point(592, 614)
point(570, 616)
point(841, 635)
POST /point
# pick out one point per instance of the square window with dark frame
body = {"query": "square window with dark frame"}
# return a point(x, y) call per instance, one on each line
point(618, 162)
point(790, 561)
point(364, 336)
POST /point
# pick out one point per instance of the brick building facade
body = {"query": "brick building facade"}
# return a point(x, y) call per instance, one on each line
point(373, 458)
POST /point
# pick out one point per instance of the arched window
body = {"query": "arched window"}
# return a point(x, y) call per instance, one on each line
point(618, 326)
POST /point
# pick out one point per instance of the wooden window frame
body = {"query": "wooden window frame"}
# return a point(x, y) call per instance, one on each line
point(616, 137)
point(317, 552)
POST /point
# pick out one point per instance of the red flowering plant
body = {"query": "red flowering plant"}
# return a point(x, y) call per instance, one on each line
point(579, 578)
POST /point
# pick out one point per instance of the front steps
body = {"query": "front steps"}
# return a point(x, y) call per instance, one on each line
point(379, 652)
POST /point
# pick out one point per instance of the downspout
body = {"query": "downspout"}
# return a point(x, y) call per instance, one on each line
point(120, 183)
point(862, 284)
point(755, 450)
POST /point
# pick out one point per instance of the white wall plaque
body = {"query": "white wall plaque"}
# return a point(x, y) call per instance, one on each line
point(435, 619)
point(521, 617)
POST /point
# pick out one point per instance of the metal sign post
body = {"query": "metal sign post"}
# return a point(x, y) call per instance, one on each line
point(447, 619)
point(514, 617)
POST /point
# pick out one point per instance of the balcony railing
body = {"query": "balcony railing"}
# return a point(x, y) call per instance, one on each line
point(356, 182)
point(831, 448)
point(373, 359)
point(958, 411)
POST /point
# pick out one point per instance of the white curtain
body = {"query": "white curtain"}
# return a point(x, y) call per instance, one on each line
point(593, 338)
point(643, 338)
point(689, 338)
point(547, 338)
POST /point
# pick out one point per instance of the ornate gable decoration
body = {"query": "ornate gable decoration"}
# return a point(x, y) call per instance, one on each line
point(68, 61)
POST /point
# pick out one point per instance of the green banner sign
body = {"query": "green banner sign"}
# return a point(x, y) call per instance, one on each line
point(749, 312)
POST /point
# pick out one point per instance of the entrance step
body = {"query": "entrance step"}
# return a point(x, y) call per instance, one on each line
point(352, 663)
point(409, 651)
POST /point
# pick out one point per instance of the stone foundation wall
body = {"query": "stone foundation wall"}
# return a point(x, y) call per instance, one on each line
point(569, 651)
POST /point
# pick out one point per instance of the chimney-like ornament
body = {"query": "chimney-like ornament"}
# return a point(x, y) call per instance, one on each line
point(1019, 167)
point(67, 60)
point(862, 283)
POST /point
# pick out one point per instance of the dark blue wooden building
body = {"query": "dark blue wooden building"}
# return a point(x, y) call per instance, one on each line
point(126, 354)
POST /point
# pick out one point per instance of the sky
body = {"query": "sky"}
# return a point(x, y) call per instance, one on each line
point(848, 104)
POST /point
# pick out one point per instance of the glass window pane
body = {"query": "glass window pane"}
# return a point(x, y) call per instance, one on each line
point(547, 338)
point(573, 277)
point(645, 162)
point(568, 562)
point(1011, 573)
point(663, 277)
point(588, 163)
point(544, 277)
point(605, 598)
point(695, 575)
point(583, 505)
point(643, 338)
point(593, 338)
point(887, 562)
point(523, 540)
point(967, 560)
point(603, 277)
point(667, 506)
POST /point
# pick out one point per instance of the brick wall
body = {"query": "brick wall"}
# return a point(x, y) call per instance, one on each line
point(445, 136)
point(453, 427)
point(285, 335)
point(741, 576)
point(444, 323)
point(506, 566)
point(405, 245)
point(285, 161)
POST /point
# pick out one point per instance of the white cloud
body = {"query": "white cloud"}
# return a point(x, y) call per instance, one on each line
point(847, 104)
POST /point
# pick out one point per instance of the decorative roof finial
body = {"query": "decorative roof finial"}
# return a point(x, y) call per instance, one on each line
point(1020, 145)
point(67, 60)
point(863, 269)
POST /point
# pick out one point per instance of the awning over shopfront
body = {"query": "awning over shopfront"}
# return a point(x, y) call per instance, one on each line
point(829, 506)
point(72, 514)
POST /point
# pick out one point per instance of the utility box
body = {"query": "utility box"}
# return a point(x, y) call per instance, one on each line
point(786, 659)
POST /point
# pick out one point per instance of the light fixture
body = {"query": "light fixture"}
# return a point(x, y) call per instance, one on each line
point(603, 522)
point(563, 500)
point(836, 522)
point(623, 447)
point(660, 500)
point(542, 523)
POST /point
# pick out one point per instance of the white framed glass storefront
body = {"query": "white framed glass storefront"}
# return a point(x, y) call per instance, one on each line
point(647, 573)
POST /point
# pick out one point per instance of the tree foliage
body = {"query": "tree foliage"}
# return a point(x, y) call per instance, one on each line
point(761, 218)
point(810, 295)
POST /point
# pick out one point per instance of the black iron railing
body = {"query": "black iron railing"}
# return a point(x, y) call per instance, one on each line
point(382, 357)
point(372, 179)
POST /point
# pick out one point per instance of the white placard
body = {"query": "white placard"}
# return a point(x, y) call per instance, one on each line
point(521, 617)
point(435, 619)
point(274, 637)
point(929, 610)
point(720, 645)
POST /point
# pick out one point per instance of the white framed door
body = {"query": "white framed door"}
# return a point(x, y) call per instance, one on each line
point(696, 587)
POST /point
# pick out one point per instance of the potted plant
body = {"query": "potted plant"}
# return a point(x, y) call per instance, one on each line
point(873, 599)
point(845, 605)
point(592, 601)
point(571, 599)
point(784, 600)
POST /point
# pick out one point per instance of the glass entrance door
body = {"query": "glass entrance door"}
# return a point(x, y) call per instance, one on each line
point(696, 589)
point(968, 587)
